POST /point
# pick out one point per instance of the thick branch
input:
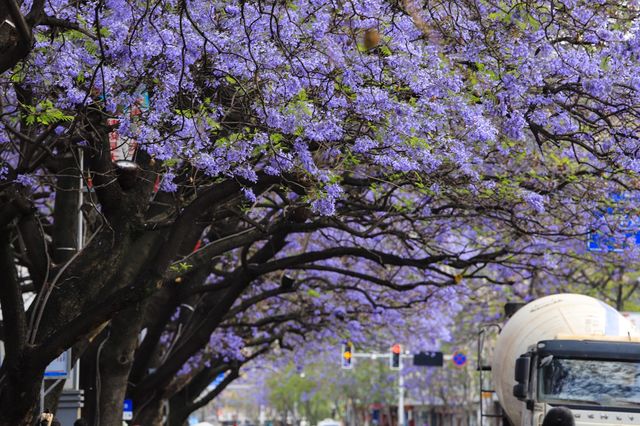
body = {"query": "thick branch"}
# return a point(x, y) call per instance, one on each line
point(199, 336)
point(35, 249)
point(216, 194)
point(13, 314)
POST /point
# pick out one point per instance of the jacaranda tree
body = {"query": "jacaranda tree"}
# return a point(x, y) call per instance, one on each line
point(222, 149)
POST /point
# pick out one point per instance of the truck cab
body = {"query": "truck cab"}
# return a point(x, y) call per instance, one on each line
point(599, 380)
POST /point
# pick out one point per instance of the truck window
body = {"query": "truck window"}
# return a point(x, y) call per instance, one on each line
point(610, 383)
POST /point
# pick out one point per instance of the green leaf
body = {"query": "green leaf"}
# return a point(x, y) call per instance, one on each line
point(276, 138)
point(313, 293)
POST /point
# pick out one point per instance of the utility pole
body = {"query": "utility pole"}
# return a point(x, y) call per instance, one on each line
point(400, 397)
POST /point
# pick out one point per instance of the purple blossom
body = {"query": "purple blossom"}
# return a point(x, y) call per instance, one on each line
point(28, 181)
point(249, 195)
point(324, 206)
point(514, 126)
point(534, 200)
point(167, 184)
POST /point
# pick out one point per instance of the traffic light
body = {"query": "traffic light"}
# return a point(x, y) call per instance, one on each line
point(396, 353)
point(347, 355)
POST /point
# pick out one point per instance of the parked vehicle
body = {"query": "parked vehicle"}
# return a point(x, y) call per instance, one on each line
point(329, 422)
point(568, 350)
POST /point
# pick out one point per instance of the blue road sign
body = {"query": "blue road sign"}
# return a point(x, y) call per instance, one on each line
point(59, 367)
point(623, 227)
point(459, 359)
point(127, 410)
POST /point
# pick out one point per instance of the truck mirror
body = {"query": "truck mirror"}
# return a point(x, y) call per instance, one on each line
point(522, 369)
point(519, 391)
point(522, 377)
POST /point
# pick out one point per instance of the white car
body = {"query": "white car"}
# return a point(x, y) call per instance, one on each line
point(329, 422)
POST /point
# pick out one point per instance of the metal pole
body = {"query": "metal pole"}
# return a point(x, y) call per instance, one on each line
point(400, 396)
point(75, 372)
point(80, 235)
point(42, 396)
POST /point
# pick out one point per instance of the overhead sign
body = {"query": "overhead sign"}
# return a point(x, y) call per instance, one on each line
point(127, 410)
point(59, 367)
point(623, 227)
point(428, 359)
point(459, 359)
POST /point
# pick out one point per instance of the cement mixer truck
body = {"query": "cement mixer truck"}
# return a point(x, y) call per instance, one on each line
point(568, 350)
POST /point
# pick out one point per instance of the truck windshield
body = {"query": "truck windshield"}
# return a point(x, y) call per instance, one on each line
point(610, 383)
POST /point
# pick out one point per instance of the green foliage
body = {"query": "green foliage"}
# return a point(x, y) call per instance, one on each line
point(45, 113)
point(313, 293)
point(180, 267)
point(170, 162)
point(323, 390)
point(292, 391)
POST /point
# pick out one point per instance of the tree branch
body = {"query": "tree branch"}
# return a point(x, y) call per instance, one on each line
point(13, 314)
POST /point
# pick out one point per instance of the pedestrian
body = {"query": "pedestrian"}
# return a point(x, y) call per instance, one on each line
point(48, 419)
point(559, 416)
point(45, 418)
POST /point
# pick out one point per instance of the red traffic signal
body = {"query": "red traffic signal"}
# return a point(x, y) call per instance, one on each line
point(396, 353)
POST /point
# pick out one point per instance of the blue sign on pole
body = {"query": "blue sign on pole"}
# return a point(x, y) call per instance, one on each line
point(59, 367)
point(127, 410)
point(459, 359)
point(623, 227)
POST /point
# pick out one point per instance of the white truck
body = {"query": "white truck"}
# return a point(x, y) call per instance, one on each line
point(568, 350)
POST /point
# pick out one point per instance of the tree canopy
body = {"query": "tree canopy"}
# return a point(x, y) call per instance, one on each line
point(225, 176)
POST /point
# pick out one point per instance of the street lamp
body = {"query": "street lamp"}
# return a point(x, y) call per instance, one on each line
point(127, 173)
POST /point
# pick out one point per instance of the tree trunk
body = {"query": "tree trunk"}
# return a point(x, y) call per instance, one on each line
point(19, 396)
point(151, 414)
point(88, 374)
point(19, 379)
point(116, 358)
point(177, 412)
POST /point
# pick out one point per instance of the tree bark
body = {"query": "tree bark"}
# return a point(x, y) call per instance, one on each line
point(20, 380)
point(15, 40)
point(116, 359)
point(20, 395)
point(151, 414)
